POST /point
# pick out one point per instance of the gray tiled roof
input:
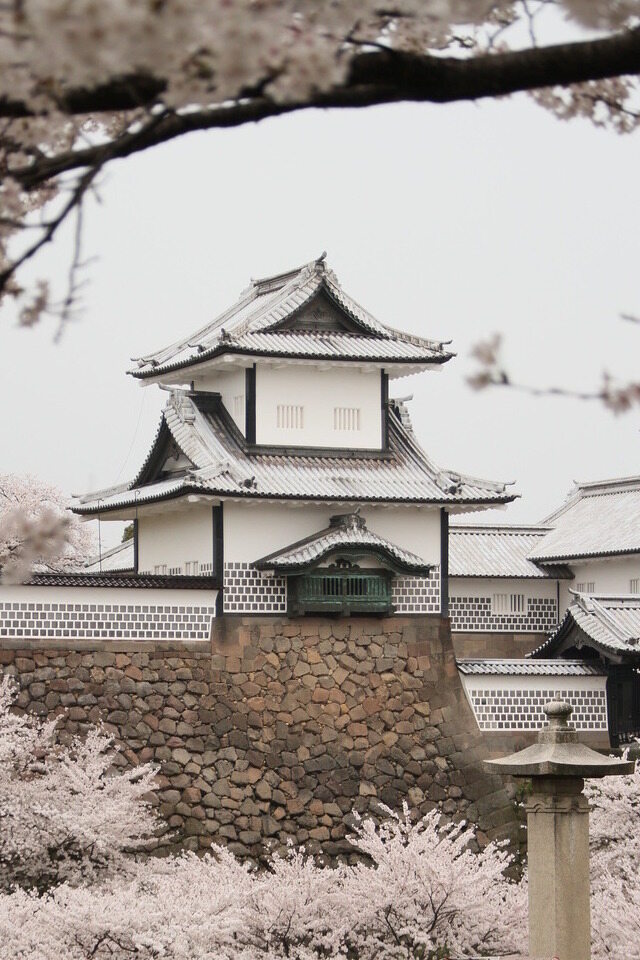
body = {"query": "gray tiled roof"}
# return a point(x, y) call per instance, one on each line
point(252, 326)
point(497, 551)
point(611, 623)
point(125, 579)
point(224, 466)
point(528, 668)
point(598, 519)
point(346, 531)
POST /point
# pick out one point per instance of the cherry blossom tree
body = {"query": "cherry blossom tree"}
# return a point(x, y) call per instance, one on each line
point(85, 83)
point(421, 893)
point(215, 907)
point(65, 814)
point(37, 531)
point(615, 866)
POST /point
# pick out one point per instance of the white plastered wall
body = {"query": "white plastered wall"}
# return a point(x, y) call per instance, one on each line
point(486, 587)
point(516, 702)
point(174, 538)
point(609, 575)
point(253, 530)
point(105, 613)
point(230, 384)
point(318, 392)
point(472, 608)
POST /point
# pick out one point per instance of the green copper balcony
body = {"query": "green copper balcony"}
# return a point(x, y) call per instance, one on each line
point(339, 592)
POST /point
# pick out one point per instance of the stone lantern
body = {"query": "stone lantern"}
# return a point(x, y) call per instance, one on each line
point(558, 834)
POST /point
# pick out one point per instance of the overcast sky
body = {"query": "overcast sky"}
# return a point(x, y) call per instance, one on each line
point(451, 222)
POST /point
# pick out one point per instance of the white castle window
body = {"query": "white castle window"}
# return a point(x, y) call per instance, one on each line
point(634, 585)
point(589, 586)
point(289, 416)
point(192, 568)
point(509, 605)
point(346, 418)
point(160, 568)
point(238, 407)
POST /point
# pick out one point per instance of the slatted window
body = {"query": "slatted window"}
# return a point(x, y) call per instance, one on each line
point(238, 407)
point(289, 416)
point(192, 568)
point(587, 586)
point(346, 418)
point(634, 585)
point(160, 568)
point(509, 604)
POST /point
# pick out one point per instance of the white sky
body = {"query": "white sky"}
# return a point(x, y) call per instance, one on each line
point(452, 222)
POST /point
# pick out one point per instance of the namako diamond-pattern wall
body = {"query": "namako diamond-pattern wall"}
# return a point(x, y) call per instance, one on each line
point(247, 590)
point(471, 614)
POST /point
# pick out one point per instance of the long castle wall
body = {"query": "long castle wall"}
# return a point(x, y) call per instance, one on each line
point(279, 728)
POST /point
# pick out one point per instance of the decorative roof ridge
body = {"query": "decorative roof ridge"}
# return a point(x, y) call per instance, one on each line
point(625, 599)
point(591, 605)
point(319, 262)
point(592, 488)
point(362, 315)
point(523, 660)
point(458, 526)
point(251, 292)
point(613, 485)
point(294, 285)
point(104, 492)
point(155, 357)
point(122, 578)
point(111, 552)
point(262, 307)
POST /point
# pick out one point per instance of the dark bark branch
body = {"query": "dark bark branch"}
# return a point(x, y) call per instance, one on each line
point(378, 76)
point(375, 78)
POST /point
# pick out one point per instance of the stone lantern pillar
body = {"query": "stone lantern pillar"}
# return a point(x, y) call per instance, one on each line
point(558, 834)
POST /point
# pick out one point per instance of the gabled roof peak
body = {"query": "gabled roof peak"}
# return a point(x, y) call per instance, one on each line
point(277, 281)
point(259, 324)
point(612, 485)
point(610, 624)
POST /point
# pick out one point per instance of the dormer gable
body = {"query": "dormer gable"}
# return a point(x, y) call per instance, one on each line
point(321, 314)
point(165, 459)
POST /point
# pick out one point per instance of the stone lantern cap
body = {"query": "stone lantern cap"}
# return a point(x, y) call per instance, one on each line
point(559, 754)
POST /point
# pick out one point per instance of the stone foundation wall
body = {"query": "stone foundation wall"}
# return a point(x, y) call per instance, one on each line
point(282, 727)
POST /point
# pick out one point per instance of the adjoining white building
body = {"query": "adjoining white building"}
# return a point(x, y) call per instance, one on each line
point(517, 579)
point(495, 588)
point(282, 478)
point(566, 589)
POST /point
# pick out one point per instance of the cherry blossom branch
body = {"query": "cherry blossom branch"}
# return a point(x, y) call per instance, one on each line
point(491, 373)
point(384, 76)
point(374, 77)
point(51, 227)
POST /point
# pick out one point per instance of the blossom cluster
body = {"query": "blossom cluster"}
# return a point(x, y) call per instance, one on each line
point(64, 815)
point(422, 891)
point(37, 531)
